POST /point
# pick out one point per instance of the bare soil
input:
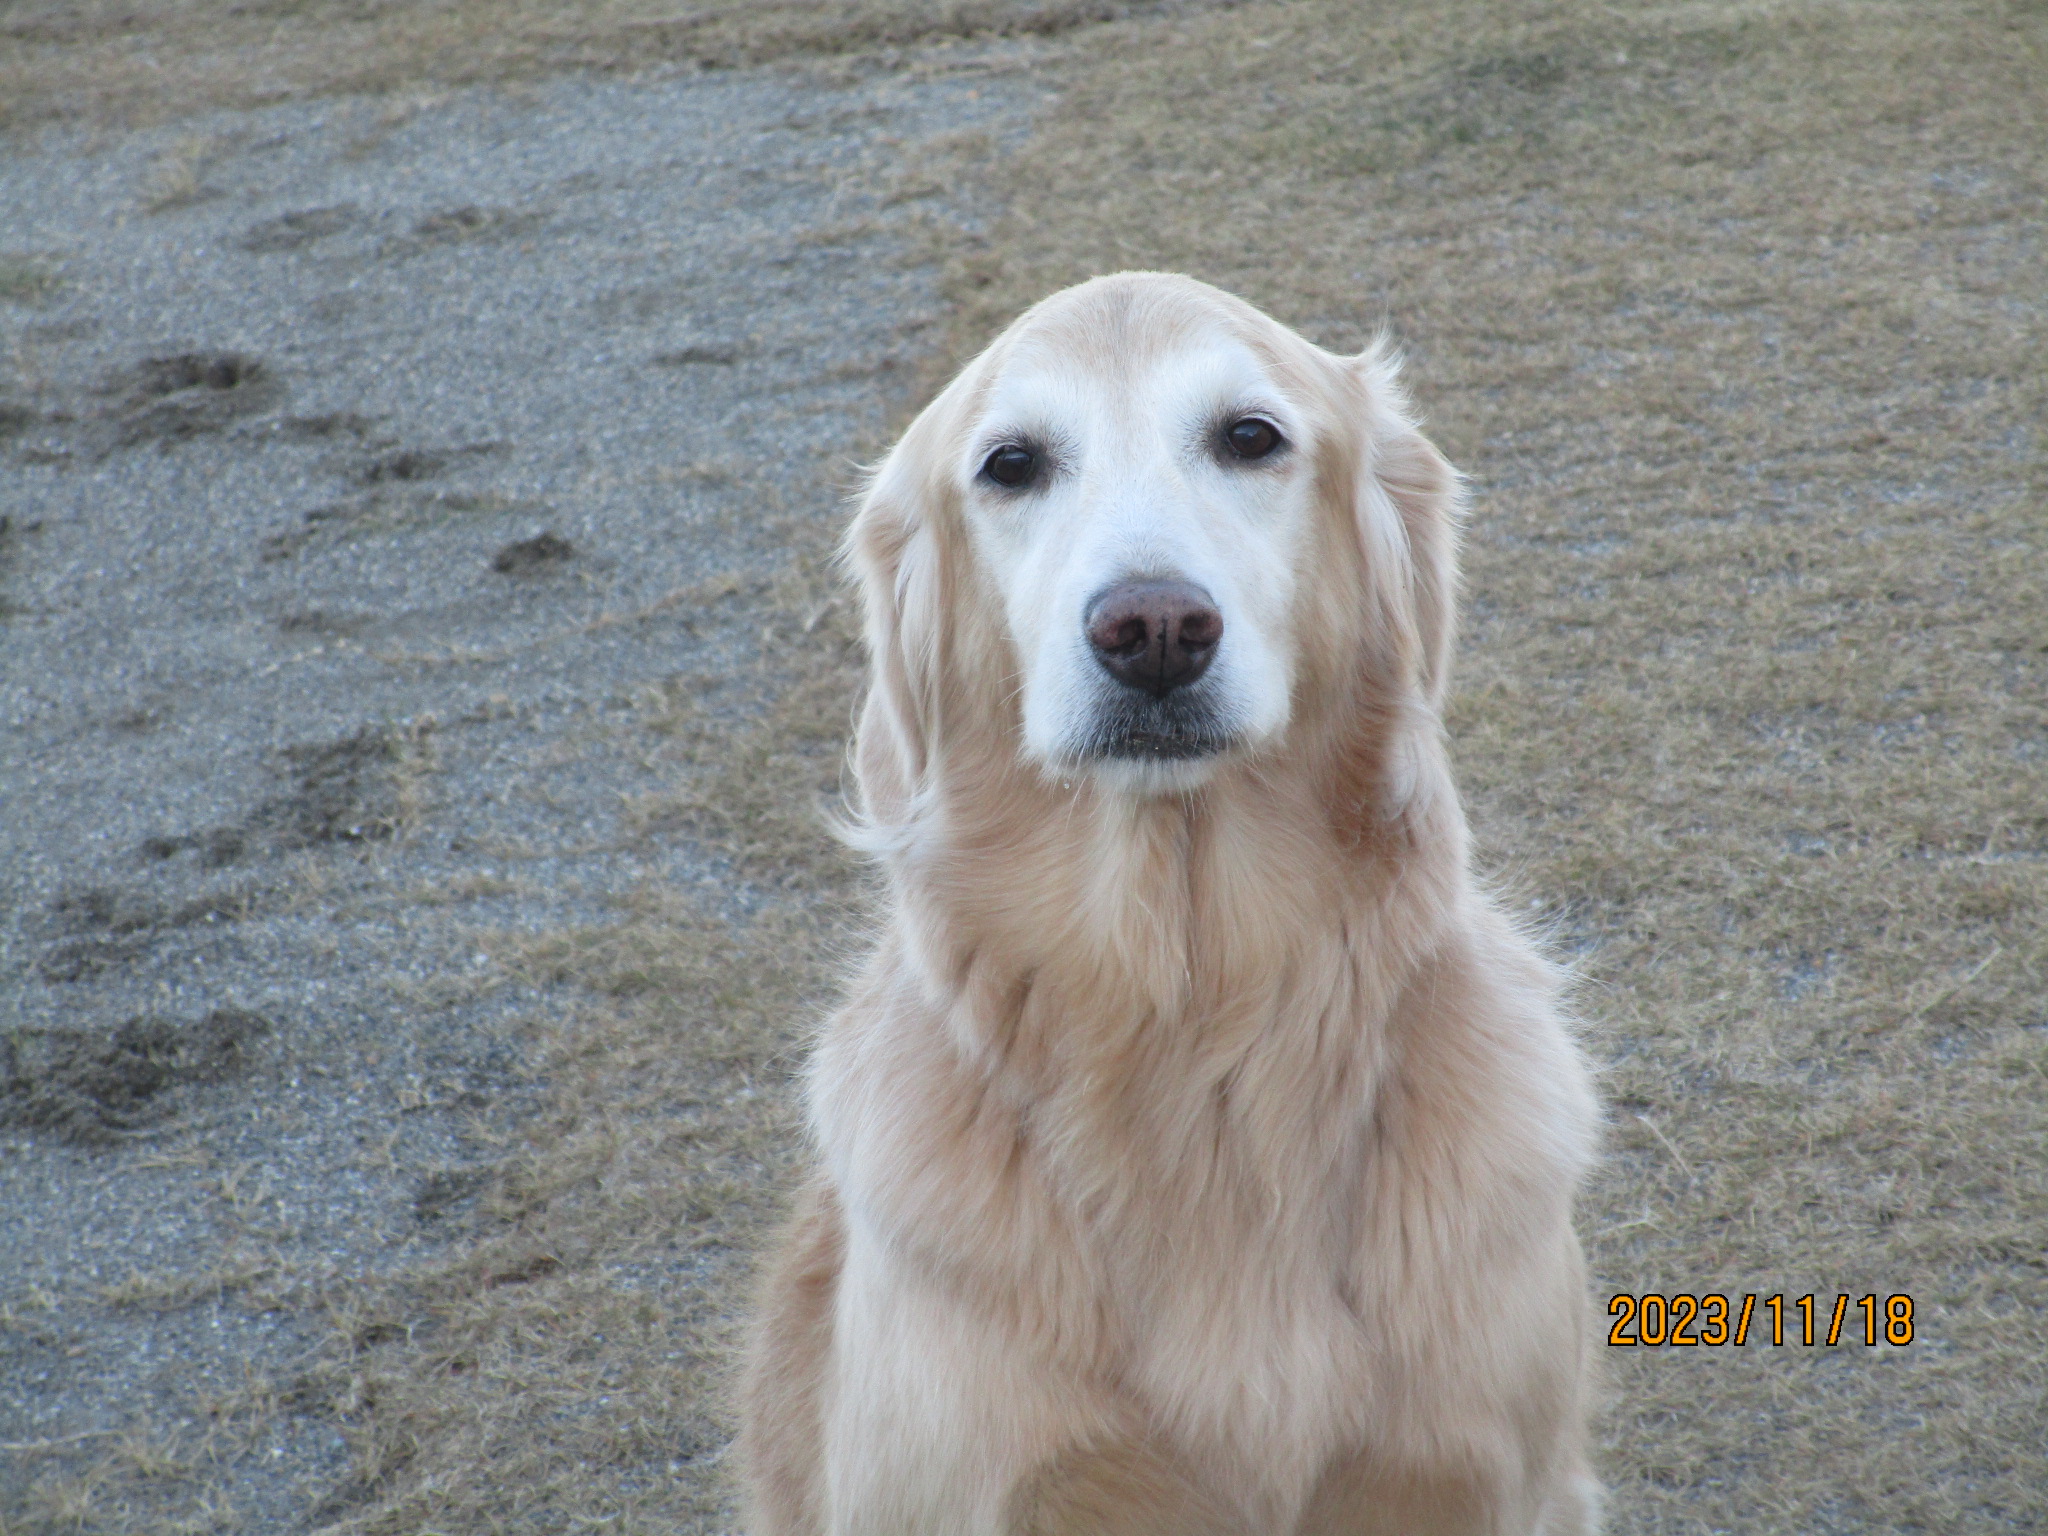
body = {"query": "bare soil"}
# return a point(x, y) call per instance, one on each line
point(384, 481)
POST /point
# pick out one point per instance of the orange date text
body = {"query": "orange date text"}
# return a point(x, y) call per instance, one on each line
point(1655, 1320)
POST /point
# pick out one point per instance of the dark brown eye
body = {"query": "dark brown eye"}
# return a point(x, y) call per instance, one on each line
point(1010, 465)
point(1251, 438)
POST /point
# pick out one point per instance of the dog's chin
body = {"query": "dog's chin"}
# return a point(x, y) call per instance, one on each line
point(1142, 778)
point(1144, 746)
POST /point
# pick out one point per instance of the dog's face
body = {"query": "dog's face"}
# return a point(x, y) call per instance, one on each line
point(1150, 530)
point(1144, 514)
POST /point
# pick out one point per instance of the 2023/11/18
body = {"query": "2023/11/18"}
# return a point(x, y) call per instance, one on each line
point(1676, 1316)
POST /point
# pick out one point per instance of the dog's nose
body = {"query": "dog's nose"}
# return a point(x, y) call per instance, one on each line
point(1154, 635)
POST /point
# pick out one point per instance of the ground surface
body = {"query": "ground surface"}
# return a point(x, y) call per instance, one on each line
point(1733, 311)
point(373, 474)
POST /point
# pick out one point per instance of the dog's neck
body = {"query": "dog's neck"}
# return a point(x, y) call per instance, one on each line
point(1208, 985)
point(1240, 905)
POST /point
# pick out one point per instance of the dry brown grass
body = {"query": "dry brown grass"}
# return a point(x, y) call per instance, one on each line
point(113, 61)
point(1734, 311)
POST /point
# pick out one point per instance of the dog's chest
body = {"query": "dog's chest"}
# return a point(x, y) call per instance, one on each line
point(1250, 1345)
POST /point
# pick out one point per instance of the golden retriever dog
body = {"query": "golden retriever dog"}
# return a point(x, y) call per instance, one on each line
point(1196, 1150)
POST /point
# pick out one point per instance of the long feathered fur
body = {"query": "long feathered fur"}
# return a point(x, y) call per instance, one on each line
point(1195, 1161)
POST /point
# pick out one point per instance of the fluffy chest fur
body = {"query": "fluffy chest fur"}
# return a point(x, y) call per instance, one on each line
point(1202, 1157)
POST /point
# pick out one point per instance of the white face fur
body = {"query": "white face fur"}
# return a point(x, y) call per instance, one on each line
point(1133, 477)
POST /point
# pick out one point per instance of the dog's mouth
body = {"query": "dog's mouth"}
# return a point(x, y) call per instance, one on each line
point(1133, 727)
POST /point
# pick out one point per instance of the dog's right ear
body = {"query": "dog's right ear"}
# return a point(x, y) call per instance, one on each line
point(1427, 496)
point(1405, 503)
point(893, 550)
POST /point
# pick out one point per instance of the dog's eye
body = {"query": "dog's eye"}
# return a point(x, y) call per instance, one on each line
point(1251, 438)
point(1010, 465)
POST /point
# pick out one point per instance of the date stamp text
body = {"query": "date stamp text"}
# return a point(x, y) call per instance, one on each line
point(1653, 1319)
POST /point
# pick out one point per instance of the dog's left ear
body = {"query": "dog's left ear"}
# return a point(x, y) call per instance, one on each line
point(891, 550)
point(1401, 472)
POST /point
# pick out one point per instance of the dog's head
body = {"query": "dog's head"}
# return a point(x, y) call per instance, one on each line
point(1148, 532)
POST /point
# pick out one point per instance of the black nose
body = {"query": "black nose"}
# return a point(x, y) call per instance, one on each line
point(1154, 635)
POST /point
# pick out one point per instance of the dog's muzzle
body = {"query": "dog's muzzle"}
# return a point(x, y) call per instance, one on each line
point(1155, 638)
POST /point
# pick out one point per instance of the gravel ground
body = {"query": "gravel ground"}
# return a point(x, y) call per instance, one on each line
point(364, 463)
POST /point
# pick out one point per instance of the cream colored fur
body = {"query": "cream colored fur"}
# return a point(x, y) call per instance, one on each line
point(1194, 1156)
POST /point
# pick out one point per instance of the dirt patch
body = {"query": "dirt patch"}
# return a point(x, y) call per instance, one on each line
point(529, 557)
point(327, 425)
point(443, 1191)
point(461, 226)
point(391, 508)
point(115, 911)
point(358, 789)
point(217, 848)
point(700, 355)
point(13, 536)
point(320, 621)
point(363, 788)
point(82, 959)
point(295, 231)
point(105, 928)
point(88, 1086)
point(406, 465)
point(25, 279)
point(112, 911)
point(168, 399)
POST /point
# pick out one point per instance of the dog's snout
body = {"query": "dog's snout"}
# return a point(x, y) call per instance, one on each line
point(1154, 635)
